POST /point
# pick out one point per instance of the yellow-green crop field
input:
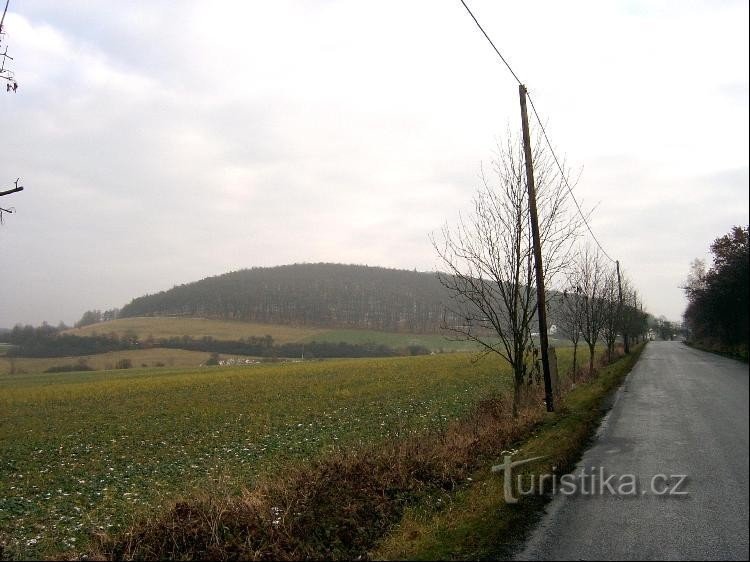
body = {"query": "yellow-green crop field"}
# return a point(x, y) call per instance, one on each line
point(88, 451)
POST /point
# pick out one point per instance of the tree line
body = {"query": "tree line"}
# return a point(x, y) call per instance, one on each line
point(47, 341)
point(96, 316)
point(598, 306)
point(716, 316)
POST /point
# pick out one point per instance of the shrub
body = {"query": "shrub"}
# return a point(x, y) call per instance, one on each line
point(69, 368)
point(123, 364)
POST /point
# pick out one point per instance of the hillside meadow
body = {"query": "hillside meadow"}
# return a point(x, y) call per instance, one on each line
point(92, 451)
point(171, 326)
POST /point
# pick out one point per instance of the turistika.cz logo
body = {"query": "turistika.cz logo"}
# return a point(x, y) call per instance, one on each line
point(589, 481)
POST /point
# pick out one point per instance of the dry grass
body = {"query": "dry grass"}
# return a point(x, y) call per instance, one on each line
point(178, 358)
point(169, 326)
point(476, 523)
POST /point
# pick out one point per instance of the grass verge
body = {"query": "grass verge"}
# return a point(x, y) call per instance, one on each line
point(739, 354)
point(477, 523)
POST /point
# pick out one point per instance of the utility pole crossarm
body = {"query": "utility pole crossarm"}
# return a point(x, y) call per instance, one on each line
point(14, 190)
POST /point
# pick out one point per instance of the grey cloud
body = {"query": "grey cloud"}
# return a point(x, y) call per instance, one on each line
point(159, 146)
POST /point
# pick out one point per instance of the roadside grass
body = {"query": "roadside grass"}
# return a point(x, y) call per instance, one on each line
point(155, 357)
point(476, 523)
point(739, 354)
point(94, 452)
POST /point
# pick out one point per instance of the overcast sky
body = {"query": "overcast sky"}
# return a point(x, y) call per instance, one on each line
point(162, 142)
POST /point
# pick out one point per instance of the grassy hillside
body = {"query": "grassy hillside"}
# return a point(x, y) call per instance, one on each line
point(168, 326)
point(163, 327)
point(86, 451)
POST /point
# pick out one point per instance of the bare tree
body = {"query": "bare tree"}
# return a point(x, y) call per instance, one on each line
point(629, 314)
point(610, 303)
point(696, 279)
point(635, 319)
point(6, 73)
point(488, 257)
point(571, 315)
point(592, 278)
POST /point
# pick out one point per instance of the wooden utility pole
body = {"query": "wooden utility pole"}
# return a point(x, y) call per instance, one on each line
point(619, 310)
point(5, 11)
point(540, 299)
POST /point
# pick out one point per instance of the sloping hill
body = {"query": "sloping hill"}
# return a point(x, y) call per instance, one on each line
point(171, 326)
point(158, 327)
point(322, 294)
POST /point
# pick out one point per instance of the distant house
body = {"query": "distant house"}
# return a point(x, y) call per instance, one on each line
point(551, 331)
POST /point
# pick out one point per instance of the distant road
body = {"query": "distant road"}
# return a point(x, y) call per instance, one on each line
point(681, 411)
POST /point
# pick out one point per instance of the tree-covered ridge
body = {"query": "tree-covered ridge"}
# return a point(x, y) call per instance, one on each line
point(320, 294)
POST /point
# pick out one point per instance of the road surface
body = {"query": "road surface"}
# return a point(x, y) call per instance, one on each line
point(680, 412)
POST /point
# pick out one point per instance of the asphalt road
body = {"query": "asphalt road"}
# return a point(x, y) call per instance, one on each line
point(680, 412)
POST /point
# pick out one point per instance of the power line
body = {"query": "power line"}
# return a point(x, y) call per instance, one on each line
point(5, 11)
point(544, 132)
point(502, 58)
point(565, 179)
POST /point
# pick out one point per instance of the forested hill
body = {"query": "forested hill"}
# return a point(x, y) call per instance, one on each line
point(321, 294)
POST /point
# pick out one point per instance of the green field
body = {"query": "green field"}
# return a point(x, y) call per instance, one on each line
point(87, 451)
point(433, 342)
